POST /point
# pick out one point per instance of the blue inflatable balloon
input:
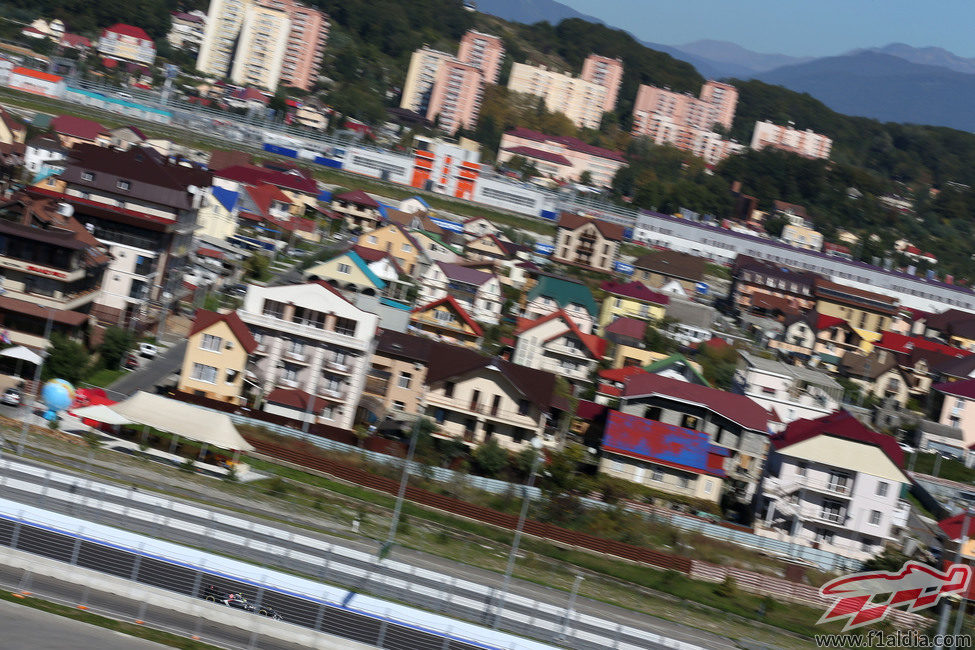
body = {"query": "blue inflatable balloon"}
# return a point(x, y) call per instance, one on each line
point(57, 395)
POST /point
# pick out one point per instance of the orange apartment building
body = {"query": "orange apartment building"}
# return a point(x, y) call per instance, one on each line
point(445, 167)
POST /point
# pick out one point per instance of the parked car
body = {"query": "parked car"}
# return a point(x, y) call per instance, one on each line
point(148, 350)
point(131, 362)
point(11, 397)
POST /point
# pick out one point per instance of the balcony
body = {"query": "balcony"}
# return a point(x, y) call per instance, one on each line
point(376, 385)
point(558, 347)
point(832, 488)
point(512, 417)
point(297, 357)
point(288, 383)
point(304, 331)
point(338, 366)
point(333, 394)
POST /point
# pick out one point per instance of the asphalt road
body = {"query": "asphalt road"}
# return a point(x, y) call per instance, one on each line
point(125, 609)
point(343, 570)
point(27, 627)
point(149, 374)
point(171, 577)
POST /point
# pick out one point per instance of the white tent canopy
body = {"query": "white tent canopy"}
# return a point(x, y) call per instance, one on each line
point(20, 352)
point(182, 419)
point(100, 413)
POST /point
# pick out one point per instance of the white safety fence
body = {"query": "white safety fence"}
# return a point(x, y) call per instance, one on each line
point(403, 581)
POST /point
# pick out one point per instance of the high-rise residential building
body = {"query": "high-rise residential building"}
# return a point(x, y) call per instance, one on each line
point(688, 122)
point(305, 45)
point(420, 77)
point(225, 19)
point(788, 138)
point(260, 47)
point(450, 87)
point(264, 42)
point(582, 99)
point(483, 51)
point(605, 72)
point(455, 101)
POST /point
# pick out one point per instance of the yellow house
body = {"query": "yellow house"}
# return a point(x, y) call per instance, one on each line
point(445, 320)
point(393, 239)
point(490, 247)
point(633, 300)
point(216, 356)
point(349, 272)
point(867, 312)
point(217, 216)
point(627, 355)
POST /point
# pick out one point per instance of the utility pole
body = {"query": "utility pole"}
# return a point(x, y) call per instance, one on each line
point(945, 604)
point(537, 446)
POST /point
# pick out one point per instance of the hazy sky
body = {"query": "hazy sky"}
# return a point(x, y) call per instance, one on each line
point(796, 27)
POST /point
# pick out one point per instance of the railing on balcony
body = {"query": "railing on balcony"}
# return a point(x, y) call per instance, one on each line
point(338, 366)
point(290, 383)
point(376, 385)
point(836, 488)
point(469, 406)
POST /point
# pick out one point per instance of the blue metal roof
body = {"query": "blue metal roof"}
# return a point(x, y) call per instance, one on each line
point(225, 197)
point(667, 444)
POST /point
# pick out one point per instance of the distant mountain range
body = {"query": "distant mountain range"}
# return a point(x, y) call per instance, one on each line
point(895, 83)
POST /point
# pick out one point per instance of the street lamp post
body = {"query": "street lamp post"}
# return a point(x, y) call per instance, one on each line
point(37, 382)
point(404, 480)
point(570, 608)
point(537, 446)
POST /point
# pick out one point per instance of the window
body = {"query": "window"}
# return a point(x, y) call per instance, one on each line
point(211, 343)
point(656, 474)
point(874, 518)
point(708, 486)
point(232, 376)
point(839, 482)
point(443, 316)
point(273, 309)
point(523, 406)
point(405, 378)
point(87, 176)
point(801, 467)
point(683, 481)
point(399, 406)
point(690, 422)
point(440, 415)
point(345, 326)
point(882, 489)
point(824, 535)
point(407, 248)
point(345, 268)
point(866, 544)
point(290, 373)
point(204, 373)
point(448, 389)
point(768, 391)
point(328, 413)
point(122, 185)
point(617, 303)
point(652, 413)
point(296, 346)
point(832, 511)
point(371, 239)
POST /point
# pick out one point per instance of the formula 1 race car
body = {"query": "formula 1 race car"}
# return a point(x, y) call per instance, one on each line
point(236, 600)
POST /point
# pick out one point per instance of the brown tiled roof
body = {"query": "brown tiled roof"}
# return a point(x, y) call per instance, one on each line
point(409, 346)
point(296, 399)
point(735, 407)
point(673, 264)
point(608, 230)
point(13, 125)
point(866, 366)
point(450, 361)
point(26, 308)
point(851, 294)
point(782, 206)
point(39, 220)
point(221, 159)
point(205, 318)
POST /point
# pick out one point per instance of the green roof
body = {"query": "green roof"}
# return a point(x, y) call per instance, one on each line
point(564, 292)
point(667, 362)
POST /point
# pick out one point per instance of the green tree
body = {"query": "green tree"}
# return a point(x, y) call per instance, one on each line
point(257, 267)
point(67, 359)
point(718, 364)
point(585, 178)
point(490, 458)
point(116, 343)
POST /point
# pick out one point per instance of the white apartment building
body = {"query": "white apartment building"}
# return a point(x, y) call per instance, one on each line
point(805, 143)
point(477, 292)
point(260, 47)
point(313, 340)
point(556, 344)
point(581, 100)
point(792, 392)
point(834, 484)
point(224, 21)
